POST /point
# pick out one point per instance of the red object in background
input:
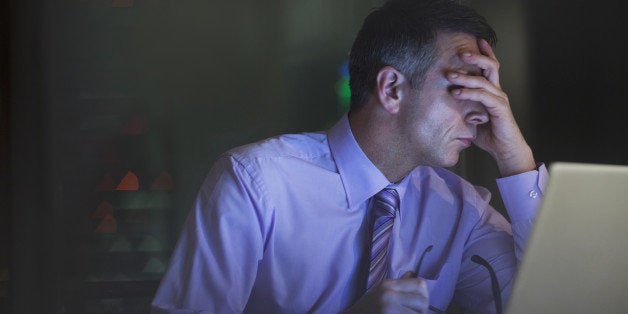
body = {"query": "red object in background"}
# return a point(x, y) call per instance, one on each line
point(103, 209)
point(107, 225)
point(128, 183)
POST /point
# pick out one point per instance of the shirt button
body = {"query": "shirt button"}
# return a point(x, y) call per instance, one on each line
point(533, 194)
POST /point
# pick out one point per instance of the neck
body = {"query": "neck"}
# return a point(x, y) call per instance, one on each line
point(375, 133)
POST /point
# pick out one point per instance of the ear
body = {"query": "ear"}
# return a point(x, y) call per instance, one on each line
point(388, 83)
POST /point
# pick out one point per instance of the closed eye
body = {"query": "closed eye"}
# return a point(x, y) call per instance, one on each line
point(452, 87)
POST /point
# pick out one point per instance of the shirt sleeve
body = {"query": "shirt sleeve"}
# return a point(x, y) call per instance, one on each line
point(214, 264)
point(522, 195)
point(497, 242)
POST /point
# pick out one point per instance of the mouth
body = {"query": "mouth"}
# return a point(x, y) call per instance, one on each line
point(466, 141)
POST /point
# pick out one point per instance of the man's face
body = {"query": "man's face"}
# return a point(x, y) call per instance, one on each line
point(435, 126)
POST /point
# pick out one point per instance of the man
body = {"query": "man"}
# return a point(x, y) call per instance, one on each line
point(363, 218)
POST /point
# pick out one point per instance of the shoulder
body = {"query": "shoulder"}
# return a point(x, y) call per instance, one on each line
point(259, 166)
point(300, 146)
point(281, 158)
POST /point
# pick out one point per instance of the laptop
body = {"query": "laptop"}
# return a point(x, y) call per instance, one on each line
point(577, 255)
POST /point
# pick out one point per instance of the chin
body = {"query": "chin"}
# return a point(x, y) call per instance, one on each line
point(450, 162)
point(436, 160)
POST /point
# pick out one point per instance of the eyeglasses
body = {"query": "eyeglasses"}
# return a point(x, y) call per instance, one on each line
point(480, 261)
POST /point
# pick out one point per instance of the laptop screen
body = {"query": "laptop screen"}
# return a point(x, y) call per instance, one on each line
point(577, 255)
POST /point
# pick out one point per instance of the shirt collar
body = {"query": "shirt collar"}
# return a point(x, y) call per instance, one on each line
point(360, 177)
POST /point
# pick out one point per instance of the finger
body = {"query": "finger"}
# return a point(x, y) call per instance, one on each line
point(407, 283)
point(415, 301)
point(474, 81)
point(486, 49)
point(420, 300)
point(406, 294)
point(494, 104)
point(489, 66)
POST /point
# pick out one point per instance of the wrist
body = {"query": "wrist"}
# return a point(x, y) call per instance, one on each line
point(515, 163)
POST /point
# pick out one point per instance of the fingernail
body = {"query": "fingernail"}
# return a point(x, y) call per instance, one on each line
point(466, 54)
point(457, 91)
point(453, 75)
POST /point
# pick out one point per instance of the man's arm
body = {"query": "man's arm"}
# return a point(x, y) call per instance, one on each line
point(214, 264)
point(500, 244)
point(521, 186)
point(522, 195)
point(501, 136)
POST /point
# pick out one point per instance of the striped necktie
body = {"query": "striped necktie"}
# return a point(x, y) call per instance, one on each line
point(385, 205)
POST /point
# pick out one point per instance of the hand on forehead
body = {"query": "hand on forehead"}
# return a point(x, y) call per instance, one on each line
point(458, 50)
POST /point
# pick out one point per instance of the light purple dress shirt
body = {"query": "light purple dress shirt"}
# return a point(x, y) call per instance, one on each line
point(281, 226)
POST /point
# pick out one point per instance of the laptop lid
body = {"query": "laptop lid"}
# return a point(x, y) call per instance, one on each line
point(577, 255)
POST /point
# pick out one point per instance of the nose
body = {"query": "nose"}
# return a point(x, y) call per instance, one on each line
point(476, 114)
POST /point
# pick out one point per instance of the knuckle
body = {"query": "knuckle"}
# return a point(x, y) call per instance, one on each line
point(502, 96)
point(480, 92)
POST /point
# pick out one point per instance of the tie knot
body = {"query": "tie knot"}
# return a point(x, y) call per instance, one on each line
point(387, 202)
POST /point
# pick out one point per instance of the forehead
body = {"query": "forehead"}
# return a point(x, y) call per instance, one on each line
point(449, 46)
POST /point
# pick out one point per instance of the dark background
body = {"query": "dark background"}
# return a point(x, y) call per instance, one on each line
point(205, 76)
point(580, 100)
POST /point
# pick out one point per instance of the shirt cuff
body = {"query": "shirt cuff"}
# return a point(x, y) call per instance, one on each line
point(522, 193)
